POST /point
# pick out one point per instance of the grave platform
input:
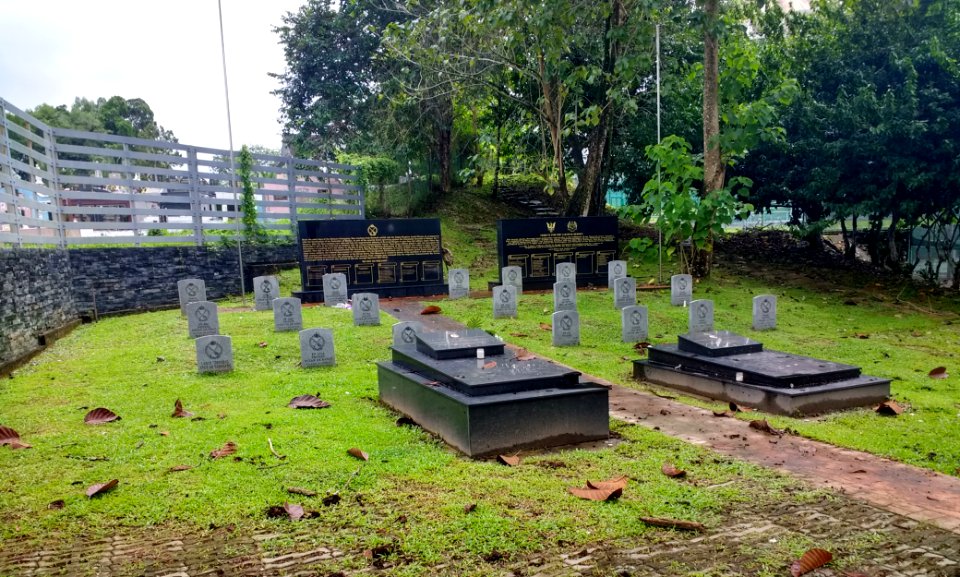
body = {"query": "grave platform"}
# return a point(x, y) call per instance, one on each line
point(316, 296)
point(729, 367)
point(491, 405)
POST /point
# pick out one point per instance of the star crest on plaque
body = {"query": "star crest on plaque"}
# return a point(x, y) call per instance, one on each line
point(372, 230)
point(572, 226)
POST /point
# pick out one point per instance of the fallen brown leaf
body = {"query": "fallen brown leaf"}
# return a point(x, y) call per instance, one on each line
point(358, 454)
point(489, 364)
point(178, 412)
point(669, 470)
point(642, 346)
point(224, 451)
point(430, 310)
point(524, 355)
point(99, 488)
point(178, 468)
point(938, 373)
point(596, 494)
point(889, 409)
point(546, 326)
point(764, 426)
point(10, 437)
point(331, 500)
point(58, 504)
point(307, 402)
point(164, 433)
point(100, 416)
point(812, 559)
point(519, 335)
point(294, 511)
point(673, 524)
point(301, 491)
point(262, 344)
point(863, 336)
point(470, 508)
point(738, 409)
point(722, 414)
point(509, 460)
point(614, 483)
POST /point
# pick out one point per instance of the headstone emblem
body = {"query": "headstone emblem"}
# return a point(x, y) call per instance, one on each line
point(682, 283)
point(505, 297)
point(192, 290)
point(458, 276)
point(512, 275)
point(624, 285)
point(765, 306)
point(565, 323)
point(702, 311)
point(335, 282)
point(286, 309)
point(565, 291)
point(317, 342)
point(618, 269)
point(635, 317)
point(566, 272)
point(213, 350)
point(366, 304)
point(202, 314)
point(408, 335)
point(265, 287)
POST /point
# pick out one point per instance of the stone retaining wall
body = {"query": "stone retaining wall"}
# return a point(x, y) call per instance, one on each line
point(45, 290)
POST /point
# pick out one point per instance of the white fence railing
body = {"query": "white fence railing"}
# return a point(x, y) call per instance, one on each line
point(67, 187)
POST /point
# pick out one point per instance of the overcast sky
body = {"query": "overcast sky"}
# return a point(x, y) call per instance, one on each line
point(167, 53)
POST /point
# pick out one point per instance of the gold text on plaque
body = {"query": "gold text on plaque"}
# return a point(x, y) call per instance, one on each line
point(372, 230)
point(551, 226)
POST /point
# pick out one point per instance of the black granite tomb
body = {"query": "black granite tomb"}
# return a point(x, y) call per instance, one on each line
point(536, 245)
point(489, 405)
point(389, 257)
point(730, 367)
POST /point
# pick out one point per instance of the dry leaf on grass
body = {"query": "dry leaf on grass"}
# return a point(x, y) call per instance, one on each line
point(509, 460)
point(301, 491)
point(642, 346)
point(669, 470)
point(673, 524)
point(358, 454)
point(100, 488)
point(307, 402)
point(546, 326)
point(470, 508)
point(609, 484)
point(262, 344)
point(524, 355)
point(100, 416)
point(812, 559)
point(58, 504)
point(178, 468)
point(738, 409)
point(10, 437)
point(764, 426)
point(178, 412)
point(431, 310)
point(519, 335)
point(596, 494)
point(889, 409)
point(938, 373)
point(224, 451)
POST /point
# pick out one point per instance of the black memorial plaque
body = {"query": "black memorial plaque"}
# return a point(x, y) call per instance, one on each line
point(536, 245)
point(390, 257)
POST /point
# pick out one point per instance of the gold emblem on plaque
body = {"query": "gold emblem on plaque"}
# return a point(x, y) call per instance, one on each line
point(572, 226)
point(551, 226)
point(372, 230)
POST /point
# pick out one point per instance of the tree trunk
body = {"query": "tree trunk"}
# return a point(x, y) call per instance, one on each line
point(713, 169)
point(893, 253)
point(553, 115)
point(496, 165)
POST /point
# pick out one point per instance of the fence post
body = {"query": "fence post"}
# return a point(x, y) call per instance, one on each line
point(292, 196)
point(51, 141)
point(193, 178)
point(127, 175)
point(6, 168)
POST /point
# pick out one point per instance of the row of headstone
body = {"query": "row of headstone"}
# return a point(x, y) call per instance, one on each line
point(215, 352)
point(700, 314)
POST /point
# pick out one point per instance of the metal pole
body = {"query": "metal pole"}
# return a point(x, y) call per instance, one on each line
point(659, 192)
point(233, 171)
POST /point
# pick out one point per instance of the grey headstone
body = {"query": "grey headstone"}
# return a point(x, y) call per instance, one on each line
point(513, 276)
point(624, 292)
point(566, 328)
point(566, 271)
point(202, 319)
point(681, 289)
point(504, 301)
point(634, 323)
point(191, 290)
point(316, 348)
point(565, 295)
point(366, 309)
point(287, 315)
point(764, 312)
point(405, 334)
point(701, 316)
point(459, 281)
point(214, 354)
point(265, 289)
point(616, 269)
point(334, 289)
